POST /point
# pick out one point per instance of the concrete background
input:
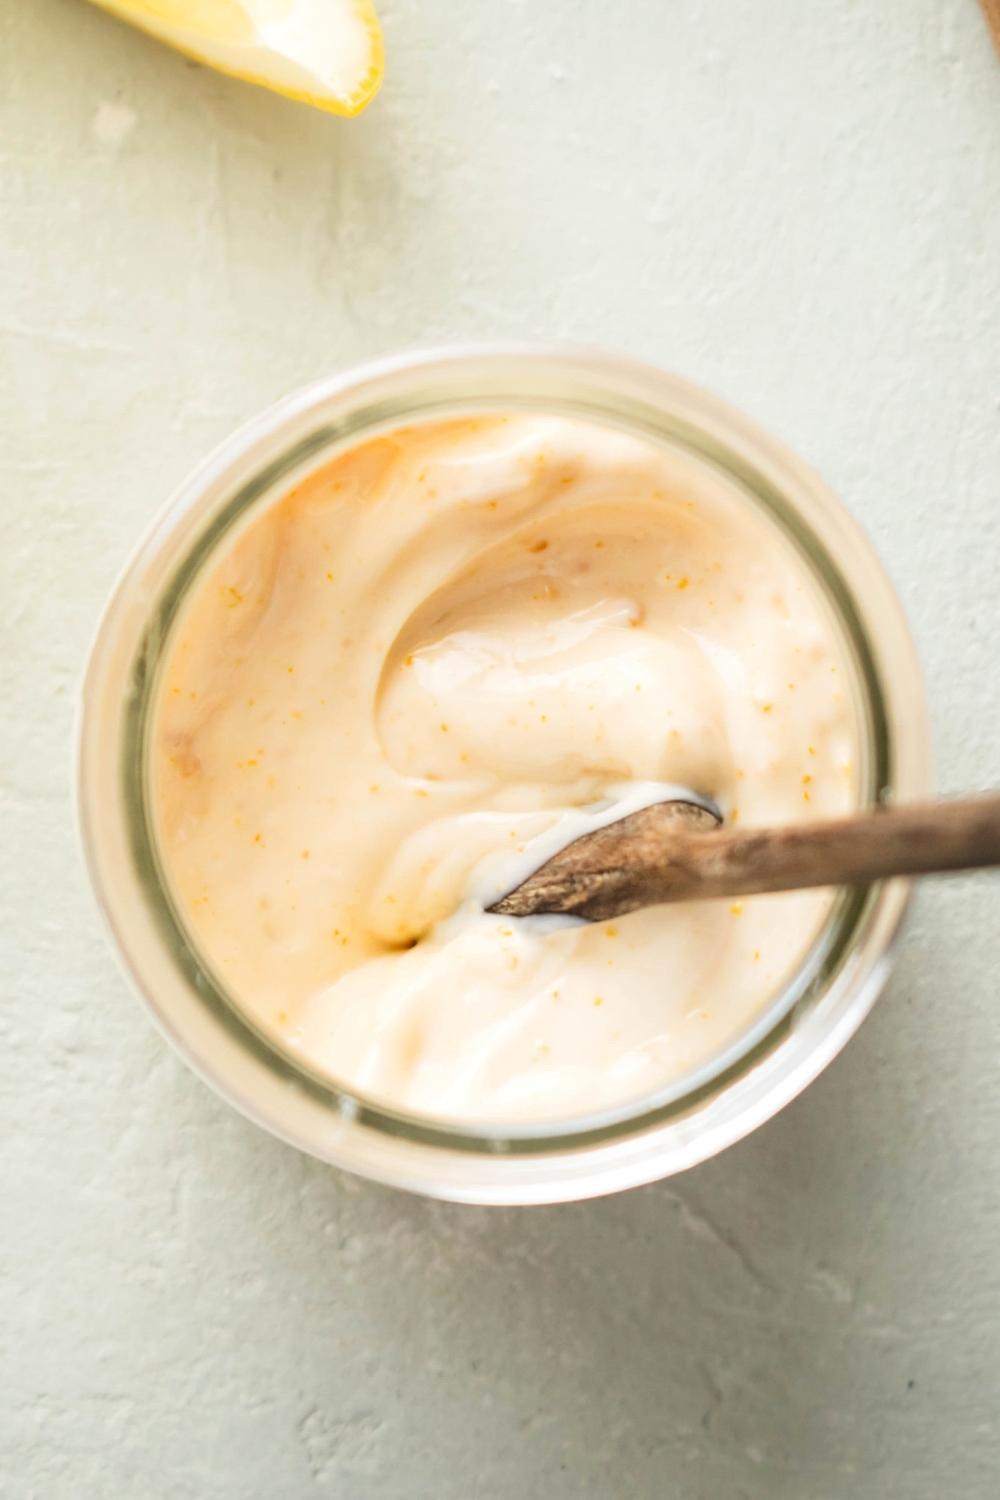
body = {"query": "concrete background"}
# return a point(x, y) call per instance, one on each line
point(798, 205)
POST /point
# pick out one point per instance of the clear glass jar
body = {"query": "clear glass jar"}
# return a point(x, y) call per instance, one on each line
point(786, 1047)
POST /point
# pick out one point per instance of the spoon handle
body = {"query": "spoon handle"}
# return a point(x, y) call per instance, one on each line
point(675, 851)
point(918, 839)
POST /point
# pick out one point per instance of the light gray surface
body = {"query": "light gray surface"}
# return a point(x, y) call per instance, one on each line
point(796, 204)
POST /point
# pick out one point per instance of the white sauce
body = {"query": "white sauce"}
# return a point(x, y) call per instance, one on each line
point(400, 691)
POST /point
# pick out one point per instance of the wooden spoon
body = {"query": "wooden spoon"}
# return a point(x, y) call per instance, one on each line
point(678, 851)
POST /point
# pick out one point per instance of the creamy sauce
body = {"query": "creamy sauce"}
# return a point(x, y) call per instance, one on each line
point(404, 686)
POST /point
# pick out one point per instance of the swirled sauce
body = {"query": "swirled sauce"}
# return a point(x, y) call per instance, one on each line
point(403, 685)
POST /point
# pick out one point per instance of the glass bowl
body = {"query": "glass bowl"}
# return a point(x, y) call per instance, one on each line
point(785, 1047)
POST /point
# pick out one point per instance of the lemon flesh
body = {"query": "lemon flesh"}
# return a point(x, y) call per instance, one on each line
point(325, 52)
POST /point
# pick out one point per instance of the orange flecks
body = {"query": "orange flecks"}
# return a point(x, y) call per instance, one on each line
point(291, 669)
point(811, 749)
point(282, 1018)
point(444, 728)
point(232, 597)
point(329, 576)
point(183, 758)
point(756, 955)
point(682, 583)
point(737, 908)
point(374, 788)
point(258, 838)
point(305, 854)
point(598, 999)
point(766, 708)
point(538, 546)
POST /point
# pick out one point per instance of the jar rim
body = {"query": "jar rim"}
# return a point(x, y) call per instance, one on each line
point(251, 469)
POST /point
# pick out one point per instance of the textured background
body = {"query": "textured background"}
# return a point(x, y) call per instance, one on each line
point(796, 204)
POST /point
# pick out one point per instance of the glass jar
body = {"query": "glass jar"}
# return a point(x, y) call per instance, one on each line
point(800, 1031)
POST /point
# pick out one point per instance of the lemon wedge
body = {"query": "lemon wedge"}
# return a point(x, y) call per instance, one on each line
point(325, 52)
